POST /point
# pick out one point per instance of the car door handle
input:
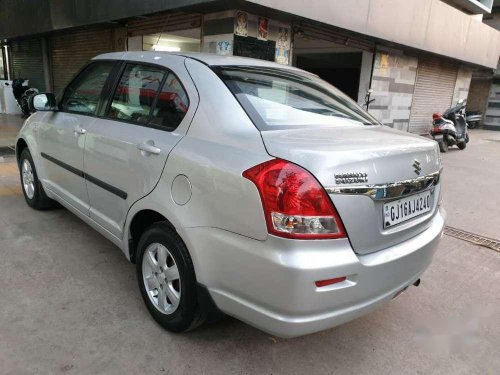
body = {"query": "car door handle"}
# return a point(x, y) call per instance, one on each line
point(150, 149)
point(78, 130)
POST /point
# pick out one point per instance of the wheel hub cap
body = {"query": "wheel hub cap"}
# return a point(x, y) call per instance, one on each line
point(28, 179)
point(161, 278)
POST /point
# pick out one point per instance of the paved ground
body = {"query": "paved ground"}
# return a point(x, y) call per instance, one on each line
point(9, 127)
point(471, 184)
point(69, 302)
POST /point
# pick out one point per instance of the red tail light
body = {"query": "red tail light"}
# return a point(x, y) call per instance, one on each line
point(295, 204)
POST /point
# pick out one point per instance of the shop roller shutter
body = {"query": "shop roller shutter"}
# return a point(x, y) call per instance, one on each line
point(27, 62)
point(71, 50)
point(164, 22)
point(434, 87)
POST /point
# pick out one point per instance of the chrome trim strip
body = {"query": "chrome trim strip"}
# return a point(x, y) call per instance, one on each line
point(392, 190)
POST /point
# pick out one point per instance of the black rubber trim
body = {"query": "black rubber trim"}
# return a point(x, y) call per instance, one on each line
point(86, 176)
point(106, 186)
point(63, 165)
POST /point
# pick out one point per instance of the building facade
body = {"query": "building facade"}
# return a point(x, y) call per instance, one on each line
point(485, 93)
point(417, 56)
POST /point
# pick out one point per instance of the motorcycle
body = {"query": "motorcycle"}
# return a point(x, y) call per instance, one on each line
point(22, 93)
point(473, 119)
point(450, 128)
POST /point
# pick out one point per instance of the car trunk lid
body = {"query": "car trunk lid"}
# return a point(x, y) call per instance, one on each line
point(361, 156)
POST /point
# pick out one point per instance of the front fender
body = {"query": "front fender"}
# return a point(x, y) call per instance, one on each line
point(28, 134)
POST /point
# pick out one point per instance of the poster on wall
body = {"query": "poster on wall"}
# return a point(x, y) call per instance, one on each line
point(224, 48)
point(283, 46)
point(263, 28)
point(241, 23)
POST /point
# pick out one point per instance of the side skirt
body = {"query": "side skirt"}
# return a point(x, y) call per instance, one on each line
point(88, 220)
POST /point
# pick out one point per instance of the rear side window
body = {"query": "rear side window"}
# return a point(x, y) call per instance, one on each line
point(172, 104)
point(277, 98)
point(136, 92)
point(83, 93)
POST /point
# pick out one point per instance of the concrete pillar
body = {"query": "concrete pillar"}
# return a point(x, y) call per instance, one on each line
point(47, 71)
point(8, 61)
point(134, 43)
point(365, 76)
point(462, 84)
point(393, 82)
point(492, 115)
point(119, 39)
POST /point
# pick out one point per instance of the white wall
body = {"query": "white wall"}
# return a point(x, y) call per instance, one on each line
point(428, 25)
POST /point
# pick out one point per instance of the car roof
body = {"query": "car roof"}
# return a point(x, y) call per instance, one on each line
point(206, 58)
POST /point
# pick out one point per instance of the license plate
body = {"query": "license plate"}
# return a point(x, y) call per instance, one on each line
point(438, 137)
point(396, 212)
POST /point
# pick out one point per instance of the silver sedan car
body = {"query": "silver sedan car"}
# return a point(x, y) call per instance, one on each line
point(237, 186)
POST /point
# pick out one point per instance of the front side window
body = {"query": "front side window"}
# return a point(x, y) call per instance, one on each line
point(172, 104)
point(83, 93)
point(277, 98)
point(136, 92)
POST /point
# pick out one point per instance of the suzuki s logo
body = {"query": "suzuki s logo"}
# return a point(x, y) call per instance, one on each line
point(417, 167)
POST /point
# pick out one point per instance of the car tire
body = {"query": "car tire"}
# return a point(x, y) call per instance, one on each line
point(30, 184)
point(173, 303)
point(462, 145)
point(443, 146)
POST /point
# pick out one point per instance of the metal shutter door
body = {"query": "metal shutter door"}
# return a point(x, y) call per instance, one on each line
point(434, 89)
point(71, 50)
point(27, 62)
point(165, 22)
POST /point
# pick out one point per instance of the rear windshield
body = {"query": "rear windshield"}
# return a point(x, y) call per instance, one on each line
point(280, 98)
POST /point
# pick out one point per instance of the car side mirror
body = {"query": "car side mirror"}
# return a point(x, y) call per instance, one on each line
point(43, 102)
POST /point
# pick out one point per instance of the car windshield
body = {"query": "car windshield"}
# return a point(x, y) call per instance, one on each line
point(281, 98)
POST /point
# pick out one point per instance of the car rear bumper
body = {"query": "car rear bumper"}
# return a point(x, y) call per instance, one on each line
point(271, 284)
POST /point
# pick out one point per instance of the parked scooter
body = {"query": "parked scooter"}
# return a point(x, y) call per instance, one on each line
point(450, 128)
point(22, 92)
point(473, 119)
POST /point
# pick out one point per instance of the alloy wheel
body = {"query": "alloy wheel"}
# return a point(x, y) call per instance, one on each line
point(161, 278)
point(28, 179)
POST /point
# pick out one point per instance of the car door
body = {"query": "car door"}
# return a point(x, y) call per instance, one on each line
point(62, 135)
point(146, 115)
